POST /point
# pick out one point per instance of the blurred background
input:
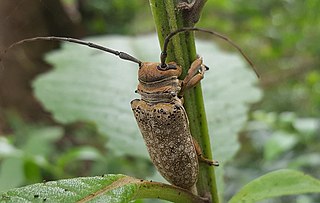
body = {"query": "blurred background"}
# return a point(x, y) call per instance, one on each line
point(281, 36)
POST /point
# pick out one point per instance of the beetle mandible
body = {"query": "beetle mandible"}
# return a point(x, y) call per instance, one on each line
point(159, 113)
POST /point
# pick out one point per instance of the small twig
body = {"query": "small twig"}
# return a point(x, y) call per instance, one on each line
point(191, 11)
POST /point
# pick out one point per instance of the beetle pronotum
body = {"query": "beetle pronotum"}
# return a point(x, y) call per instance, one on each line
point(159, 113)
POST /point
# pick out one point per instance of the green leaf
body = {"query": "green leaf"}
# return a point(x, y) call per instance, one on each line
point(275, 184)
point(107, 188)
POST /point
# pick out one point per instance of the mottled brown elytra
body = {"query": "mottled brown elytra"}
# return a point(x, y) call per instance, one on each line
point(160, 114)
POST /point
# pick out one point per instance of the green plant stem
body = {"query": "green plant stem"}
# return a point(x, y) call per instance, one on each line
point(182, 50)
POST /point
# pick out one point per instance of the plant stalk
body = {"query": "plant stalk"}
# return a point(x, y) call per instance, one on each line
point(182, 50)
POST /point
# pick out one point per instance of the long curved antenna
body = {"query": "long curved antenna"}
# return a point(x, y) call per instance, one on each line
point(121, 55)
point(186, 29)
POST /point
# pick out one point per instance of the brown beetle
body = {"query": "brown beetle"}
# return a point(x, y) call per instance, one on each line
point(160, 114)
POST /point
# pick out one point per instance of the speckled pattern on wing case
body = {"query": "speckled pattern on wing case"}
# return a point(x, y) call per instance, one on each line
point(164, 126)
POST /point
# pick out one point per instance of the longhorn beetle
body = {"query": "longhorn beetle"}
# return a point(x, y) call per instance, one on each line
point(160, 114)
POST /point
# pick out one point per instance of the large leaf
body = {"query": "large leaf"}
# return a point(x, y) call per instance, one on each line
point(89, 85)
point(107, 188)
point(277, 183)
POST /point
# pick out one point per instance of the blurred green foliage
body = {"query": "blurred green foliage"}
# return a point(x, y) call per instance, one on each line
point(273, 141)
point(112, 16)
point(282, 38)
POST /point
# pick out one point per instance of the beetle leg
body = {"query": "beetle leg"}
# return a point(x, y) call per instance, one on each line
point(194, 68)
point(201, 157)
point(195, 74)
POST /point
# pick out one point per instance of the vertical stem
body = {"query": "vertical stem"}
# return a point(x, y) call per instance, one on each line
point(182, 50)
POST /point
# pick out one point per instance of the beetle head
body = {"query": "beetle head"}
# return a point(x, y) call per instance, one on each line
point(151, 72)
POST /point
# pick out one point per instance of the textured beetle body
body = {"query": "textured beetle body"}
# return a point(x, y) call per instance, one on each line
point(164, 124)
point(164, 128)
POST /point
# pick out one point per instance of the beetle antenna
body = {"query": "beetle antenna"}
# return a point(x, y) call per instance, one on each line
point(186, 29)
point(120, 54)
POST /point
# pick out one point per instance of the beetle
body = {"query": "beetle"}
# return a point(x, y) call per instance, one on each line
point(159, 112)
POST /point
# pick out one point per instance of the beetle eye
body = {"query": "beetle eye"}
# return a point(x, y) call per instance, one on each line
point(163, 68)
point(167, 67)
point(171, 66)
